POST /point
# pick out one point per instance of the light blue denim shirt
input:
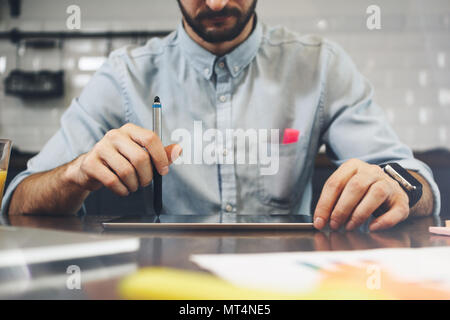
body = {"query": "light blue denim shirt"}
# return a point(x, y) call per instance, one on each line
point(275, 79)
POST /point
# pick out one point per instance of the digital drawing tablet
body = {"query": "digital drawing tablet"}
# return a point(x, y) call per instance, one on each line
point(209, 222)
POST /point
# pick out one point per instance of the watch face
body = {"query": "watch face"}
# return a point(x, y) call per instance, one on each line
point(411, 185)
point(396, 176)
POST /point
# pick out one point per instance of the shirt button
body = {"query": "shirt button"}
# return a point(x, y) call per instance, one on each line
point(228, 208)
point(221, 65)
point(206, 71)
point(236, 68)
point(223, 98)
point(225, 152)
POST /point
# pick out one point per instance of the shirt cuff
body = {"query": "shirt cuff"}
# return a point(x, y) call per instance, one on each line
point(11, 187)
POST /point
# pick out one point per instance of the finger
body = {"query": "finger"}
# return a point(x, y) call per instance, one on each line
point(375, 197)
point(353, 192)
point(120, 166)
point(98, 171)
point(396, 214)
point(150, 141)
point(330, 193)
point(173, 151)
point(137, 156)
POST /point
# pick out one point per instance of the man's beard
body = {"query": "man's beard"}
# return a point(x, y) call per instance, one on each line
point(219, 36)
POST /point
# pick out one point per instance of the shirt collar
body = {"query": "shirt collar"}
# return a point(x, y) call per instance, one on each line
point(236, 60)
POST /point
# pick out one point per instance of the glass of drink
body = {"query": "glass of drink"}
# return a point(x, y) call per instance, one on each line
point(5, 151)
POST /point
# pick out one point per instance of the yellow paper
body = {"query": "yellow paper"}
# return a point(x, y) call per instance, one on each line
point(173, 284)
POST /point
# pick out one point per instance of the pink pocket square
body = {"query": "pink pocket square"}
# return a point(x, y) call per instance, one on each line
point(290, 135)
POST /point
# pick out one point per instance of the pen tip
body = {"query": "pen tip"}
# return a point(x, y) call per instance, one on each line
point(156, 99)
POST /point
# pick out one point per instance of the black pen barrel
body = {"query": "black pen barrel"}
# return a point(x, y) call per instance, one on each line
point(157, 192)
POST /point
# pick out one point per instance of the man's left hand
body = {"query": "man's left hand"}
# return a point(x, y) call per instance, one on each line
point(354, 192)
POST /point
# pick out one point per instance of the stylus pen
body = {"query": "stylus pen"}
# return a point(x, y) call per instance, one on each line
point(157, 179)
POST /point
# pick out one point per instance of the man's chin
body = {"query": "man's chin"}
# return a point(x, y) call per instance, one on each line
point(217, 37)
point(219, 25)
point(222, 30)
point(219, 32)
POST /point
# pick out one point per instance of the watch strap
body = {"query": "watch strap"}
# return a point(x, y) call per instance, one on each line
point(409, 184)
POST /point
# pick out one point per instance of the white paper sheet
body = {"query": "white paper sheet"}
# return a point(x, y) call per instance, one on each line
point(292, 271)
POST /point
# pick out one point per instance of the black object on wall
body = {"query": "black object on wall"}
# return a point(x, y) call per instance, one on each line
point(42, 83)
point(35, 84)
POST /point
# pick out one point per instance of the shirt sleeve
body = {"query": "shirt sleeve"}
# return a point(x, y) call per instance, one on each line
point(354, 126)
point(98, 109)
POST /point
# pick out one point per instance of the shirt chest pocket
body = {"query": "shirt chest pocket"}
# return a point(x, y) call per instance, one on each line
point(278, 182)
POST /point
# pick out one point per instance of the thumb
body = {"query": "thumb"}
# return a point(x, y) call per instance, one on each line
point(173, 151)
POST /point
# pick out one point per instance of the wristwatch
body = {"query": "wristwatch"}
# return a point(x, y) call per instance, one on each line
point(411, 185)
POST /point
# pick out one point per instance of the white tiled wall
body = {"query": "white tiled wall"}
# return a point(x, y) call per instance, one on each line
point(408, 60)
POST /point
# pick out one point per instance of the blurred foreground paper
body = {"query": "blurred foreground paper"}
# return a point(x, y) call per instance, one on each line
point(394, 273)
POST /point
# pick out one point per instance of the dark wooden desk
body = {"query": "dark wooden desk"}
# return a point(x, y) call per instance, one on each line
point(172, 249)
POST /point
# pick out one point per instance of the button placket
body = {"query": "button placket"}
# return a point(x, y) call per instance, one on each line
point(227, 171)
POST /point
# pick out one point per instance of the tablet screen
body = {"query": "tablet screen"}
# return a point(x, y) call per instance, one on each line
point(209, 222)
point(213, 219)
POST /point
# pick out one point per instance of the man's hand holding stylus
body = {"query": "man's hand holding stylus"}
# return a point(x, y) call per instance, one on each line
point(122, 161)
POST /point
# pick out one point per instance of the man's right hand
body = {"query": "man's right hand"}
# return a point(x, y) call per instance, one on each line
point(122, 161)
